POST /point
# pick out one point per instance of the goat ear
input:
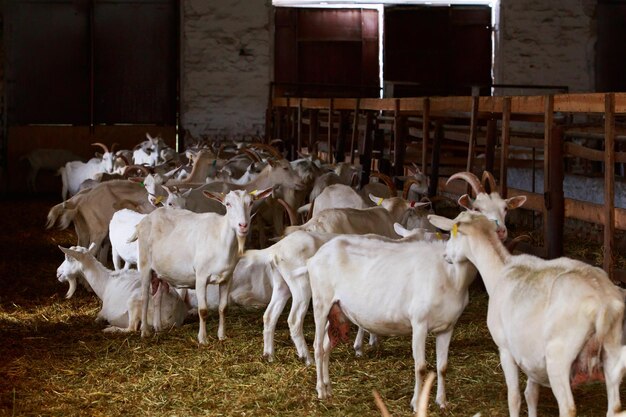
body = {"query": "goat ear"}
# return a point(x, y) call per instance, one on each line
point(515, 202)
point(376, 200)
point(440, 222)
point(92, 248)
point(69, 252)
point(401, 230)
point(214, 196)
point(260, 195)
point(465, 202)
point(98, 155)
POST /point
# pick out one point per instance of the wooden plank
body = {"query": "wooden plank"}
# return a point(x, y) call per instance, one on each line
point(527, 142)
point(315, 103)
point(425, 133)
point(579, 103)
point(579, 151)
point(553, 183)
point(492, 104)
point(593, 213)
point(451, 104)
point(472, 135)
point(620, 103)
point(609, 184)
point(331, 104)
point(412, 105)
point(379, 104)
point(355, 129)
point(527, 105)
point(345, 103)
point(506, 139)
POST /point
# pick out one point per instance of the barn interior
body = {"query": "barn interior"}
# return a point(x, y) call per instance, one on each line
point(527, 90)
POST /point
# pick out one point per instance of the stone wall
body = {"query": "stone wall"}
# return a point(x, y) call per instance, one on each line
point(546, 42)
point(227, 55)
point(226, 66)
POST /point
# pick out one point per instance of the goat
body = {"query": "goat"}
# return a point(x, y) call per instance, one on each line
point(558, 320)
point(388, 287)
point(491, 205)
point(75, 172)
point(148, 152)
point(122, 227)
point(192, 250)
point(91, 211)
point(119, 291)
point(378, 220)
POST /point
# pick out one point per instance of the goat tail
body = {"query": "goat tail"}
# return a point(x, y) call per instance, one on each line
point(60, 216)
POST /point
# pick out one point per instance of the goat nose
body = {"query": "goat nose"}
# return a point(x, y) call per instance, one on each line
point(243, 225)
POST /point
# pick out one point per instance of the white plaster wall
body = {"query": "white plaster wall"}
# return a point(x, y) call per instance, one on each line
point(225, 93)
point(546, 42)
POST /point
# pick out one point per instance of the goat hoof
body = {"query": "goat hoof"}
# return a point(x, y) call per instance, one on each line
point(268, 357)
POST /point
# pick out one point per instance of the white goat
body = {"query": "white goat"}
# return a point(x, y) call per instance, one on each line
point(560, 320)
point(148, 152)
point(119, 291)
point(388, 288)
point(192, 250)
point(378, 220)
point(491, 205)
point(122, 227)
point(75, 172)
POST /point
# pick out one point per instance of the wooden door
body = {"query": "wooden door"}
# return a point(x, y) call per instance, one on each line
point(437, 50)
point(326, 52)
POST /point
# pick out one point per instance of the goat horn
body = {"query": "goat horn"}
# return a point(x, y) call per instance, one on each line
point(113, 146)
point(387, 180)
point(272, 150)
point(407, 187)
point(123, 158)
point(512, 244)
point(470, 178)
point(488, 177)
point(253, 155)
point(293, 217)
point(102, 145)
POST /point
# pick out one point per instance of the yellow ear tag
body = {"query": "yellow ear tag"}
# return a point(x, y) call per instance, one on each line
point(254, 192)
point(380, 201)
point(439, 236)
point(455, 230)
point(159, 199)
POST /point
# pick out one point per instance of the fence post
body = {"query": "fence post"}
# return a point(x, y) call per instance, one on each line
point(553, 183)
point(425, 132)
point(609, 184)
point(398, 139)
point(434, 162)
point(506, 140)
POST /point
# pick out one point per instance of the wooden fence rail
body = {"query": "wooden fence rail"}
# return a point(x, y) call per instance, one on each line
point(441, 134)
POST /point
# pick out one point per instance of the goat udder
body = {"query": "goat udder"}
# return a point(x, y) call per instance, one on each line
point(338, 326)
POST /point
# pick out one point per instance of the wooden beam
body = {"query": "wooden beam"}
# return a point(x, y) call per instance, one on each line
point(609, 184)
point(425, 132)
point(506, 138)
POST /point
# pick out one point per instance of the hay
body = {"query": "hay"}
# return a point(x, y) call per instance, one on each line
point(54, 359)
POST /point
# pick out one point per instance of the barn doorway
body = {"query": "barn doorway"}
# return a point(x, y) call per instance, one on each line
point(83, 71)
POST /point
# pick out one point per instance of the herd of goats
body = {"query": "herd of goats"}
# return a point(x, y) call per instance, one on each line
point(367, 255)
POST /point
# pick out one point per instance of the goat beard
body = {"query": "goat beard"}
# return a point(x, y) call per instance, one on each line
point(241, 243)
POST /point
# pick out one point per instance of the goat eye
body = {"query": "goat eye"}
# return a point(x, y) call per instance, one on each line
point(227, 204)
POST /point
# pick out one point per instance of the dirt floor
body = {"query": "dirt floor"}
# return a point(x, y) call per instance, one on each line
point(55, 360)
